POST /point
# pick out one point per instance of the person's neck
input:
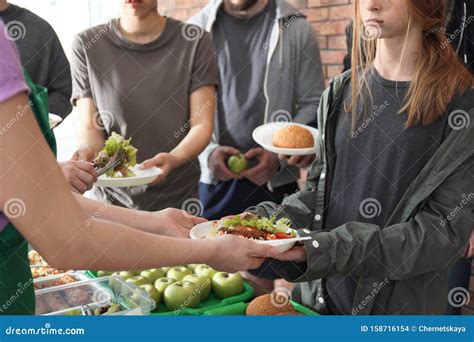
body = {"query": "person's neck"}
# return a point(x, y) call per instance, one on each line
point(248, 13)
point(3, 5)
point(142, 30)
point(395, 59)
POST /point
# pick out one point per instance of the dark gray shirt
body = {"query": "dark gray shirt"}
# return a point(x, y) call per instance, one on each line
point(142, 91)
point(41, 55)
point(374, 166)
point(242, 49)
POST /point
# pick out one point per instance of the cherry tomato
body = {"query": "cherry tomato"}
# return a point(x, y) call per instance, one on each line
point(282, 236)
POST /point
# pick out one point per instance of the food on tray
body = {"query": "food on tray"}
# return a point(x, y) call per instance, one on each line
point(237, 164)
point(117, 147)
point(39, 267)
point(104, 310)
point(66, 298)
point(293, 136)
point(181, 288)
point(271, 305)
point(65, 279)
point(253, 227)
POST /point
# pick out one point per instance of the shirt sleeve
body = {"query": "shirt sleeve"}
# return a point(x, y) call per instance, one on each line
point(205, 70)
point(12, 81)
point(81, 87)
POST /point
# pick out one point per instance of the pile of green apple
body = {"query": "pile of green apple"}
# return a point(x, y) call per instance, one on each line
point(183, 287)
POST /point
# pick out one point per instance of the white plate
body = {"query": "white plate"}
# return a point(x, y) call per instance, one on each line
point(54, 120)
point(142, 177)
point(204, 231)
point(263, 135)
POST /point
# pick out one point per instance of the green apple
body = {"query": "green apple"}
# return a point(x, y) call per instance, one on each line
point(205, 271)
point(153, 274)
point(162, 283)
point(227, 285)
point(237, 163)
point(165, 269)
point(181, 295)
point(178, 272)
point(124, 275)
point(103, 274)
point(192, 267)
point(138, 280)
point(203, 285)
point(153, 293)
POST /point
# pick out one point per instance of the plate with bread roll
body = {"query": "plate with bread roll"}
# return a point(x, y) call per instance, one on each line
point(291, 139)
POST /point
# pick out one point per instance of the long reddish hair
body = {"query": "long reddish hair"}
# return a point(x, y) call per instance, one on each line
point(439, 75)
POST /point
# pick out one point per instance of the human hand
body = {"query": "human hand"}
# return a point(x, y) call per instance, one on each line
point(81, 175)
point(298, 161)
point(176, 223)
point(165, 161)
point(233, 254)
point(217, 163)
point(84, 154)
point(297, 254)
point(267, 165)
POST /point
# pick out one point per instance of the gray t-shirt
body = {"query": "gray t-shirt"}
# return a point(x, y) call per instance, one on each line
point(242, 49)
point(41, 55)
point(374, 167)
point(142, 91)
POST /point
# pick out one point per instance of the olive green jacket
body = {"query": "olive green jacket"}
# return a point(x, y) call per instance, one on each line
point(400, 268)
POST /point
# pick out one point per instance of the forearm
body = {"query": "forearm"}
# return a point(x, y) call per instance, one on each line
point(193, 144)
point(141, 220)
point(90, 133)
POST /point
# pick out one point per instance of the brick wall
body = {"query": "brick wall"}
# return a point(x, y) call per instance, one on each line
point(328, 17)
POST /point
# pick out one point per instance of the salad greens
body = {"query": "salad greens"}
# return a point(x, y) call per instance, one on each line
point(115, 147)
point(271, 225)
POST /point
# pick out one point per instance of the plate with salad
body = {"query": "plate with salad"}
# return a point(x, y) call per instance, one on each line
point(271, 231)
point(126, 172)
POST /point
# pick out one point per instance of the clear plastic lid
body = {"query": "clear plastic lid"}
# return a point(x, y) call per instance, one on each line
point(98, 294)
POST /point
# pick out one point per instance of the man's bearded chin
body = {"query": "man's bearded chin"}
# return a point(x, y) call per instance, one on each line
point(242, 5)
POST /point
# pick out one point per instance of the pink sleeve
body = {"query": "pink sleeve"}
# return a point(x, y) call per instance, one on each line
point(12, 81)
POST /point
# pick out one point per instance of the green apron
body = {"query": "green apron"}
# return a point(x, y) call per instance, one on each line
point(17, 295)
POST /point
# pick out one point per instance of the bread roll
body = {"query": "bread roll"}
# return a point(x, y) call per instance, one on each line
point(293, 136)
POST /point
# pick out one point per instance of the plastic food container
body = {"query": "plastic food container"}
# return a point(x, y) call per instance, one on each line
point(210, 303)
point(95, 293)
point(58, 280)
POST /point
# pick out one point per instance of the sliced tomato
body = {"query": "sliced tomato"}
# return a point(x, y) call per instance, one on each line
point(283, 236)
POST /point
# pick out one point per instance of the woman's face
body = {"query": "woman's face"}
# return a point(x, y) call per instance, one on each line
point(384, 18)
point(139, 8)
